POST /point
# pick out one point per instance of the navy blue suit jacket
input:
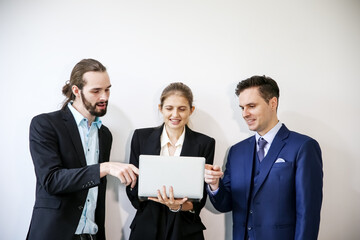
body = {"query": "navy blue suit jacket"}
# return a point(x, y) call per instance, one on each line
point(62, 176)
point(287, 198)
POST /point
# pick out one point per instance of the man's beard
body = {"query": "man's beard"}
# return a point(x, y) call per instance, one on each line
point(92, 108)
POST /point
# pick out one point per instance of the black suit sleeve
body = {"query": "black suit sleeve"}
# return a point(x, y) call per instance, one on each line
point(55, 172)
point(208, 153)
point(132, 193)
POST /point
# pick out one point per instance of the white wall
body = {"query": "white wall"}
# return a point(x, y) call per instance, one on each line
point(312, 49)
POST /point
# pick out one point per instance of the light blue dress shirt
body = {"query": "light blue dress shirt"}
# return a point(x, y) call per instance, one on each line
point(90, 142)
point(269, 137)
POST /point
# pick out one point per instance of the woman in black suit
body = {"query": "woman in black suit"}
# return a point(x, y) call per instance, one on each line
point(166, 218)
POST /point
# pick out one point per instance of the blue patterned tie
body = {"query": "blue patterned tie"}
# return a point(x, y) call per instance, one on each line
point(262, 142)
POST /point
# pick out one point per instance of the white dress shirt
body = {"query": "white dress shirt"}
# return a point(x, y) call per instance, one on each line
point(164, 140)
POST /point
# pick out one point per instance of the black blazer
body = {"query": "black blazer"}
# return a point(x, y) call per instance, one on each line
point(62, 176)
point(154, 221)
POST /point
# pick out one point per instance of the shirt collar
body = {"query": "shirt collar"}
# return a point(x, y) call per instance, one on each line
point(270, 135)
point(164, 139)
point(79, 118)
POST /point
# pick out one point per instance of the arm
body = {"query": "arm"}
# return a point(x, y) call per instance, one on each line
point(308, 184)
point(222, 200)
point(132, 192)
point(53, 168)
point(209, 153)
point(126, 173)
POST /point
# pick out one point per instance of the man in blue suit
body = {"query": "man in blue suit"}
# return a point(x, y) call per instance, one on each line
point(273, 180)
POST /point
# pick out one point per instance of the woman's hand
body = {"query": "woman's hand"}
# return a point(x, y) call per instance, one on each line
point(171, 202)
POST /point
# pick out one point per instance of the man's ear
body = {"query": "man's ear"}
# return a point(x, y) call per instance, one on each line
point(75, 91)
point(274, 103)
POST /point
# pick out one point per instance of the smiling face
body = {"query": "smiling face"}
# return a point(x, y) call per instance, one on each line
point(176, 112)
point(92, 100)
point(259, 115)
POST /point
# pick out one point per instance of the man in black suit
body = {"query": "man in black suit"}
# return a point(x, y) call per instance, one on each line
point(70, 149)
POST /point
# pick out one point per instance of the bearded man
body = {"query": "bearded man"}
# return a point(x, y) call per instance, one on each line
point(70, 149)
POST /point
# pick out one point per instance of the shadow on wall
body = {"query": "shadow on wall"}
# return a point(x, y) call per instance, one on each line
point(117, 204)
point(237, 112)
point(228, 223)
point(205, 123)
point(214, 129)
point(340, 167)
point(243, 132)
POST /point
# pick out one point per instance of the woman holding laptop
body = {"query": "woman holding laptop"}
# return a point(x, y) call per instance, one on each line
point(163, 217)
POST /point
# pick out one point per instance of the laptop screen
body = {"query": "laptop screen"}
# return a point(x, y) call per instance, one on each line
point(184, 174)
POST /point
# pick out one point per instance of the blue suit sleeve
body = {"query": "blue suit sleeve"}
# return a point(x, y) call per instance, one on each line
point(222, 200)
point(308, 184)
point(209, 152)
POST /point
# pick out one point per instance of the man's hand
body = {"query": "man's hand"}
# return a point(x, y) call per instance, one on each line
point(126, 173)
point(212, 175)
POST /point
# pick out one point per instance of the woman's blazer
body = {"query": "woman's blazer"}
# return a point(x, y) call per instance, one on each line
point(153, 216)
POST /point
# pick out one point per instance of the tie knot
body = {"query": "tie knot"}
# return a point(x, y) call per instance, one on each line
point(262, 142)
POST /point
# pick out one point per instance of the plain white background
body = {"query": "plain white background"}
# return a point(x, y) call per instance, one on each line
point(312, 49)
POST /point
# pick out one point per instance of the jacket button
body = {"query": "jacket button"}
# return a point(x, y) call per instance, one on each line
point(251, 211)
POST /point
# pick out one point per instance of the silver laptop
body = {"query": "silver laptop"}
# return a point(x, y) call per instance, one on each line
point(184, 174)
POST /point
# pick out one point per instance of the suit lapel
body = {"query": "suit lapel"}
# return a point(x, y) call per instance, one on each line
point(73, 132)
point(152, 146)
point(102, 144)
point(267, 163)
point(190, 147)
point(248, 164)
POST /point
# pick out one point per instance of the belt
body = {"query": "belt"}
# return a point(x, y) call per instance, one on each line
point(84, 236)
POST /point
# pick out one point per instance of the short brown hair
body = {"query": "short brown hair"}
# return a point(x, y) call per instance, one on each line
point(268, 88)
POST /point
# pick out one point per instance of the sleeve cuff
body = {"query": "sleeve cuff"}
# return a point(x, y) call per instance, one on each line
point(213, 193)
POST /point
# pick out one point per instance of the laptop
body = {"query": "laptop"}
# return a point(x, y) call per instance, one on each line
point(184, 174)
